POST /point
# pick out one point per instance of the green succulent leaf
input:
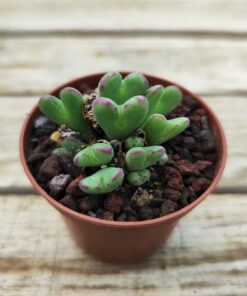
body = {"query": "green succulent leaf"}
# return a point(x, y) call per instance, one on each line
point(171, 98)
point(132, 85)
point(112, 86)
point(72, 144)
point(138, 178)
point(134, 141)
point(54, 109)
point(94, 155)
point(119, 121)
point(140, 158)
point(104, 181)
point(67, 110)
point(163, 160)
point(163, 100)
point(60, 151)
point(159, 130)
point(154, 95)
point(109, 86)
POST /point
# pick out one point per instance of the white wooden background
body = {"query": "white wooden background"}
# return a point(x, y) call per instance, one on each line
point(200, 44)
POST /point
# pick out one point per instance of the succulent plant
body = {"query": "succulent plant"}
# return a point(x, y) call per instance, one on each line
point(132, 117)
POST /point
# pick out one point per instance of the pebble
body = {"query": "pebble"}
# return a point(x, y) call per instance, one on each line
point(131, 218)
point(189, 142)
point(113, 203)
point(58, 184)
point(201, 165)
point(172, 194)
point(190, 102)
point(37, 157)
point(45, 146)
point(74, 189)
point(122, 217)
point(68, 166)
point(44, 127)
point(50, 167)
point(146, 213)
point(91, 214)
point(87, 203)
point(70, 202)
point(156, 202)
point(168, 207)
point(205, 123)
point(185, 167)
point(108, 216)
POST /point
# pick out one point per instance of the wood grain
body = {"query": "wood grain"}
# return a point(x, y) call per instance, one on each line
point(229, 109)
point(209, 66)
point(205, 256)
point(116, 15)
point(200, 44)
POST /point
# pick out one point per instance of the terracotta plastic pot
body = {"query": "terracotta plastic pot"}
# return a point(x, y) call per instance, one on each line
point(121, 241)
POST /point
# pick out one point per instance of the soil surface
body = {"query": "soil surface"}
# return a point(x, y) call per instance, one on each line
point(188, 173)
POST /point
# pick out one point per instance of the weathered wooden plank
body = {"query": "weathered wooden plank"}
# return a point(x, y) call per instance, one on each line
point(166, 15)
point(35, 66)
point(229, 109)
point(206, 255)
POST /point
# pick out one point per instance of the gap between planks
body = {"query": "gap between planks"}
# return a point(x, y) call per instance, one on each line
point(220, 94)
point(199, 34)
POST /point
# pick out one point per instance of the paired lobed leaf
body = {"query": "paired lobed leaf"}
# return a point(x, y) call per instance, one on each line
point(159, 130)
point(119, 121)
point(140, 158)
point(67, 110)
point(112, 86)
point(163, 100)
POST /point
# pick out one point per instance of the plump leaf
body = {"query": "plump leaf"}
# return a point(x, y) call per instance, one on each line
point(171, 98)
point(104, 181)
point(54, 109)
point(140, 158)
point(159, 130)
point(73, 102)
point(112, 86)
point(162, 100)
point(68, 110)
point(109, 86)
point(134, 141)
point(119, 121)
point(94, 155)
point(138, 178)
point(134, 84)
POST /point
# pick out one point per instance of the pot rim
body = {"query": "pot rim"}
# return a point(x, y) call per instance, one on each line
point(117, 224)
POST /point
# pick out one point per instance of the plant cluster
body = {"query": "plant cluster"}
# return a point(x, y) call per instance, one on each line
point(131, 115)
